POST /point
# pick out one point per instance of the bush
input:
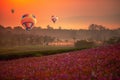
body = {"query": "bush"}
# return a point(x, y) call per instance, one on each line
point(113, 40)
point(83, 44)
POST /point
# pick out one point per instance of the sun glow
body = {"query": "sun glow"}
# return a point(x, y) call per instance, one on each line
point(73, 14)
point(20, 2)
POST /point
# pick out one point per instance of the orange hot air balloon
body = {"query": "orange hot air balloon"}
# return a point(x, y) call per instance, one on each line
point(28, 21)
point(54, 18)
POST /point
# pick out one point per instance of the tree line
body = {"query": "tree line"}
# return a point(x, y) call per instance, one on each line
point(38, 36)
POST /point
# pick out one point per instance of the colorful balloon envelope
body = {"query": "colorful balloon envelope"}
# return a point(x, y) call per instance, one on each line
point(28, 21)
point(54, 18)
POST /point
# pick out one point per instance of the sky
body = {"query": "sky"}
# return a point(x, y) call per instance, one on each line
point(73, 14)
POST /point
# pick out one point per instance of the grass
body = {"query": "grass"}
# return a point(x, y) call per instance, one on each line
point(30, 51)
point(10, 53)
point(21, 49)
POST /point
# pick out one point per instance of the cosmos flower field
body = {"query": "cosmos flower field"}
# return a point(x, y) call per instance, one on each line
point(102, 63)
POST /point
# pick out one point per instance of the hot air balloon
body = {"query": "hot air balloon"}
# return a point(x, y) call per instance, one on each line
point(28, 21)
point(54, 18)
point(12, 11)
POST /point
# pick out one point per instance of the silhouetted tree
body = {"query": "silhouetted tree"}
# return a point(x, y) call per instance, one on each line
point(37, 28)
point(8, 28)
point(49, 27)
point(96, 27)
point(60, 28)
point(1, 27)
point(48, 39)
point(18, 28)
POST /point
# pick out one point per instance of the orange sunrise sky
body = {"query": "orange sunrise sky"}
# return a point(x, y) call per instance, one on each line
point(73, 14)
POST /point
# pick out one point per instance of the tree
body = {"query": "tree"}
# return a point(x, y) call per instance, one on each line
point(37, 28)
point(1, 27)
point(113, 40)
point(74, 39)
point(96, 27)
point(83, 44)
point(18, 28)
point(49, 27)
point(8, 28)
point(48, 39)
point(118, 28)
point(60, 27)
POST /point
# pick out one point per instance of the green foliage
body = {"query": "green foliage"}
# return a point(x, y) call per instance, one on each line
point(44, 51)
point(83, 44)
point(113, 40)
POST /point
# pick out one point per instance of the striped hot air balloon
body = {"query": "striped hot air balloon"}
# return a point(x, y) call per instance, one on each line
point(28, 21)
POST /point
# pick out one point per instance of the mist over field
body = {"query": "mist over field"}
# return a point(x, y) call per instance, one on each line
point(49, 36)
